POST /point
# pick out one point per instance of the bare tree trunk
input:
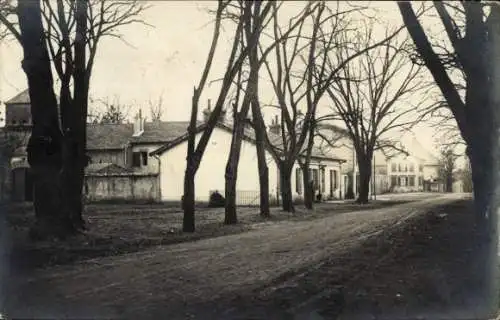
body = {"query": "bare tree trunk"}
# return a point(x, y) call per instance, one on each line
point(189, 187)
point(252, 31)
point(188, 200)
point(44, 146)
point(81, 79)
point(261, 159)
point(194, 156)
point(260, 131)
point(231, 176)
point(286, 186)
point(449, 182)
point(308, 186)
point(365, 172)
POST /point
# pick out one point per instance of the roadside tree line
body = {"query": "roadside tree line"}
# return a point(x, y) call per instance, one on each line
point(321, 69)
point(325, 57)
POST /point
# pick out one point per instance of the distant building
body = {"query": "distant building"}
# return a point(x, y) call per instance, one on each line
point(417, 171)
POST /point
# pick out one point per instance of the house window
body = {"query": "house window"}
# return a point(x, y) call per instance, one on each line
point(315, 179)
point(393, 167)
point(403, 181)
point(420, 168)
point(335, 180)
point(136, 159)
point(420, 181)
point(394, 181)
point(144, 155)
point(411, 181)
point(298, 181)
point(399, 167)
point(406, 167)
point(412, 167)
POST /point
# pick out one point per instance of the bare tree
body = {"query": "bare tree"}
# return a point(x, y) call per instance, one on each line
point(71, 34)
point(240, 51)
point(290, 92)
point(466, 177)
point(369, 96)
point(44, 146)
point(295, 85)
point(110, 112)
point(195, 151)
point(256, 19)
point(156, 108)
point(447, 166)
point(473, 45)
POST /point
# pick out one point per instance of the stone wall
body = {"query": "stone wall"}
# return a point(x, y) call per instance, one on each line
point(124, 187)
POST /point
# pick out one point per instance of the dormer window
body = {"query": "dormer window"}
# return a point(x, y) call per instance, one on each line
point(140, 159)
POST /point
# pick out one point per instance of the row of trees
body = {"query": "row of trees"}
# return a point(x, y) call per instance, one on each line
point(115, 112)
point(311, 59)
point(315, 57)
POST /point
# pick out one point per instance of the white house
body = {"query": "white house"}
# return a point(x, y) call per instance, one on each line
point(417, 171)
point(210, 175)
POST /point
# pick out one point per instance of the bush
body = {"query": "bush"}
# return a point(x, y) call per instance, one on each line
point(216, 200)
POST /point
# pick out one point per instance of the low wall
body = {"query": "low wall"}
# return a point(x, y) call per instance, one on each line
point(130, 187)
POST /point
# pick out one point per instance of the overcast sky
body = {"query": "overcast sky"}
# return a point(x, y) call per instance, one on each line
point(166, 59)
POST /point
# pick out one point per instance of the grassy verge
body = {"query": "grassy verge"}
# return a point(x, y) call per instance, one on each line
point(120, 228)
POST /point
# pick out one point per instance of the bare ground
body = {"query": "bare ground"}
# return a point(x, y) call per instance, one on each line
point(363, 262)
point(124, 228)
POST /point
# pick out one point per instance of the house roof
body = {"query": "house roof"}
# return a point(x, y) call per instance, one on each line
point(162, 131)
point(116, 136)
point(249, 135)
point(22, 97)
point(419, 151)
point(108, 136)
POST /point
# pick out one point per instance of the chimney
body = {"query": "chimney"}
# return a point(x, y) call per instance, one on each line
point(138, 124)
point(208, 111)
point(275, 127)
point(222, 117)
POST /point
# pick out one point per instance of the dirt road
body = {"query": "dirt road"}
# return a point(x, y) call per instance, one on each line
point(168, 280)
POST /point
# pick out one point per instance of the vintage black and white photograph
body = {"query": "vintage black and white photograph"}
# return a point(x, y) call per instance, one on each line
point(236, 159)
